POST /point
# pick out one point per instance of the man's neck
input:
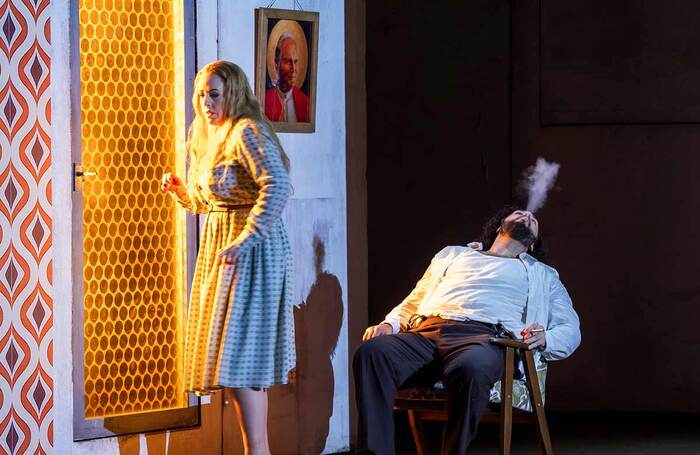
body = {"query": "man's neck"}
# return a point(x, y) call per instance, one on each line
point(284, 93)
point(506, 247)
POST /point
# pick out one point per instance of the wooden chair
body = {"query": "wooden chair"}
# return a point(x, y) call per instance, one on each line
point(428, 403)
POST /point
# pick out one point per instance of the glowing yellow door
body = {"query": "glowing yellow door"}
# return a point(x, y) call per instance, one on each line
point(134, 280)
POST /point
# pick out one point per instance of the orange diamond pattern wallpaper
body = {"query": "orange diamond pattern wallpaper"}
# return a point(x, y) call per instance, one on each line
point(26, 306)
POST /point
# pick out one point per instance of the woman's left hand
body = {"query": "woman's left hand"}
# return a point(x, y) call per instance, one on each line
point(229, 254)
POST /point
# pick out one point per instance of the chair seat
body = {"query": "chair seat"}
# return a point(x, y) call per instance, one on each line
point(436, 393)
point(521, 396)
point(430, 403)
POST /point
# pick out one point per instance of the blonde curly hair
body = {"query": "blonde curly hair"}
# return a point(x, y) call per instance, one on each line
point(239, 103)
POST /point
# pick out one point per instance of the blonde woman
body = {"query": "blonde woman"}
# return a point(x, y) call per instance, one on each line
point(240, 331)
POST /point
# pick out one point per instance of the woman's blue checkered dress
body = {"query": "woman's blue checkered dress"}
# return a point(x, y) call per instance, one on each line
point(240, 323)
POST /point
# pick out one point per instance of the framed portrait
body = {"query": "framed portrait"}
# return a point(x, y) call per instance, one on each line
point(286, 53)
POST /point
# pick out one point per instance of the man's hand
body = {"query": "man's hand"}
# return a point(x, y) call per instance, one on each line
point(377, 331)
point(533, 335)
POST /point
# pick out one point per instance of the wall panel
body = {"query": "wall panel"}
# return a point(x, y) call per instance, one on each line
point(438, 144)
point(317, 211)
point(621, 228)
point(26, 274)
point(619, 62)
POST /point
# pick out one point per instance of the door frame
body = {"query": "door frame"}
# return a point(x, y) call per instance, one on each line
point(85, 429)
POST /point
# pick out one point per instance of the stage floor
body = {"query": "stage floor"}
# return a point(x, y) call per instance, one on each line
point(583, 433)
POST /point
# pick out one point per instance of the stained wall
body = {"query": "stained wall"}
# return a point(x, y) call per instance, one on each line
point(317, 223)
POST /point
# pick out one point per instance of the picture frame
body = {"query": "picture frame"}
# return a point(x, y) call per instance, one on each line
point(286, 56)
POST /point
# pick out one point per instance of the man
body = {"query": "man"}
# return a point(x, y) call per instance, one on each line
point(285, 102)
point(467, 295)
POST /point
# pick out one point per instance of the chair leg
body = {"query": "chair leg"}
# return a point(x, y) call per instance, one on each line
point(418, 433)
point(507, 402)
point(536, 401)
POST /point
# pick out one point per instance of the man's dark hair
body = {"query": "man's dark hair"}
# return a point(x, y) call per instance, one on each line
point(490, 231)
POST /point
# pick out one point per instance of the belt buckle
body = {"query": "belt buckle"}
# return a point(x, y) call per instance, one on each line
point(502, 332)
point(416, 320)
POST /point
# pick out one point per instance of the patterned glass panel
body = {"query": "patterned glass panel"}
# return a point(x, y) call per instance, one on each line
point(132, 99)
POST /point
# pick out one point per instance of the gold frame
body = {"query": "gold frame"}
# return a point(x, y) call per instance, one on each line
point(262, 15)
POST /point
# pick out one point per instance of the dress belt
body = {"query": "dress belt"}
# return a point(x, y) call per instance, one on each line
point(229, 207)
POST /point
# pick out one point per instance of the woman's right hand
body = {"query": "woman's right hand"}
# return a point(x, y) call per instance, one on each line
point(171, 183)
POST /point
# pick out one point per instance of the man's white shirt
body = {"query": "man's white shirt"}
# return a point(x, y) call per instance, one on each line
point(462, 283)
point(482, 288)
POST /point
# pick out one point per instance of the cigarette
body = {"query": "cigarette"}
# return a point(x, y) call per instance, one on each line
point(525, 331)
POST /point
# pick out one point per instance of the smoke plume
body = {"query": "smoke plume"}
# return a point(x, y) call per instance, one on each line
point(539, 179)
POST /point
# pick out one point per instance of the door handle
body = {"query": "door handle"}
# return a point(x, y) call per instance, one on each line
point(78, 175)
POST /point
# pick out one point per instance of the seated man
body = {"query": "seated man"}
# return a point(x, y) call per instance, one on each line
point(467, 295)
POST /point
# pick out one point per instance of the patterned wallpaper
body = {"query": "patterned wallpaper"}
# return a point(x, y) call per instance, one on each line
point(26, 303)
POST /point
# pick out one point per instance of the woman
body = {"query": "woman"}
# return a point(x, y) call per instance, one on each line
point(240, 331)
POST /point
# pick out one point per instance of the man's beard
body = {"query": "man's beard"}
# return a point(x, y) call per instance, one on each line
point(519, 231)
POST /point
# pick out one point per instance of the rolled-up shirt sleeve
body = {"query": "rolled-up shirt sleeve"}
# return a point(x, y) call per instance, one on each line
point(563, 334)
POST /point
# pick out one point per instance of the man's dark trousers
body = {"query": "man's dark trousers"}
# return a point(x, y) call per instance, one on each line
point(469, 366)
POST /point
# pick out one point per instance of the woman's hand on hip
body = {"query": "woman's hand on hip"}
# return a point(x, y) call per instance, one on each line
point(229, 254)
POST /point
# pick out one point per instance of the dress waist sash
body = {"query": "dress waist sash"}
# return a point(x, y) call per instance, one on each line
point(222, 207)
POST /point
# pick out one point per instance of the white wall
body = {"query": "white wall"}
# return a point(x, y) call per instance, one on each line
point(61, 164)
point(317, 208)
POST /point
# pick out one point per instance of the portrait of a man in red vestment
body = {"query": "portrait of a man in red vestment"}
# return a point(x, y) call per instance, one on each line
point(287, 43)
point(285, 102)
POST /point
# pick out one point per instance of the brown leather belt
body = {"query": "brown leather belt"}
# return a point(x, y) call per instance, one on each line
point(417, 320)
point(229, 207)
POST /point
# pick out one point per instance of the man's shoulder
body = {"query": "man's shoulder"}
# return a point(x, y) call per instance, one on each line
point(546, 269)
point(271, 98)
point(550, 271)
point(451, 251)
point(299, 94)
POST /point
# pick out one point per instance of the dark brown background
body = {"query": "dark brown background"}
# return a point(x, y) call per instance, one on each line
point(462, 96)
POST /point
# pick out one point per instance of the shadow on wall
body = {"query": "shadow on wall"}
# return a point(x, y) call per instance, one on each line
point(299, 413)
point(317, 321)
